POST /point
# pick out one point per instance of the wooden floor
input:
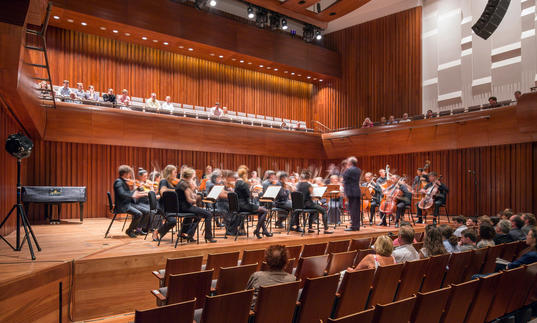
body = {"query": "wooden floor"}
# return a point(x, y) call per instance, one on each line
point(111, 276)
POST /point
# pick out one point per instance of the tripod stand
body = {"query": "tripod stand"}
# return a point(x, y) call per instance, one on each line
point(21, 218)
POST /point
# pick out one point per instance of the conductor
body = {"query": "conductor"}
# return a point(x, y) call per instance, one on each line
point(351, 186)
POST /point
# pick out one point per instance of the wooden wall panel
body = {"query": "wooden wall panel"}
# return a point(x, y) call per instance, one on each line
point(105, 63)
point(381, 64)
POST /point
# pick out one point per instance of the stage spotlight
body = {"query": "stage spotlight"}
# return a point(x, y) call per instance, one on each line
point(19, 146)
point(308, 33)
point(284, 24)
point(318, 35)
point(212, 3)
point(274, 21)
point(251, 14)
point(261, 18)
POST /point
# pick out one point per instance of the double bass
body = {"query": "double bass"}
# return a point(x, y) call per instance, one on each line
point(388, 205)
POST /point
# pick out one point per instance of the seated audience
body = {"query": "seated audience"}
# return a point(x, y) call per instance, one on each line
point(73, 98)
point(486, 232)
point(506, 214)
point(124, 98)
point(518, 94)
point(392, 120)
point(167, 105)
point(92, 95)
point(493, 101)
point(502, 232)
point(152, 103)
point(516, 228)
point(276, 257)
point(80, 93)
point(405, 118)
point(382, 121)
point(383, 248)
point(405, 251)
point(65, 90)
point(432, 245)
point(529, 255)
point(429, 114)
point(396, 242)
point(459, 225)
point(216, 111)
point(367, 123)
point(529, 222)
point(468, 240)
point(470, 222)
point(109, 96)
point(449, 241)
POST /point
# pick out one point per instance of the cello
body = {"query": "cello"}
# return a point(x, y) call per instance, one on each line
point(428, 199)
point(389, 204)
point(366, 204)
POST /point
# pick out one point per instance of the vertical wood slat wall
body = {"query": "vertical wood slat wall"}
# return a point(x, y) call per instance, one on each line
point(381, 62)
point(109, 63)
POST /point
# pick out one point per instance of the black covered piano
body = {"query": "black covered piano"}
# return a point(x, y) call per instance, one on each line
point(54, 195)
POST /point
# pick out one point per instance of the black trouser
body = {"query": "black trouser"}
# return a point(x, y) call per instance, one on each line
point(171, 221)
point(314, 216)
point(285, 205)
point(261, 216)
point(372, 210)
point(401, 207)
point(436, 207)
point(354, 210)
point(190, 224)
point(139, 213)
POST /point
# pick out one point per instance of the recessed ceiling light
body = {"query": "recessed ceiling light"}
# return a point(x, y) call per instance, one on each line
point(102, 28)
point(83, 24)
point(314, 78)
point(115, 31)
point(320, 80)
point(221, 56)
point(56, 17)
point(144, 38)
point(181, 46)
point(292, 73)
point(212, 3)
point(299, 74)
point(212, 54)
point(233, 59)
point(165, 43)
point(191, 49)
point(249, 63)
point(268, 67)
point(241, 61)
point(155, 41)
point(127, 34)
point(70, 20)
point(260, 65)
point(309, 77)
point(275, 69)
point(285, 72)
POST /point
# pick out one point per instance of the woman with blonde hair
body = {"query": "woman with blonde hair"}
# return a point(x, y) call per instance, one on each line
point(242, 188)
point(382, 257)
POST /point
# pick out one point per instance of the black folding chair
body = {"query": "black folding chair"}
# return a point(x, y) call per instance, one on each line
point(112, 208)
point(153, 210)
point(297, 200)
point(233, 201)
point(170, 205)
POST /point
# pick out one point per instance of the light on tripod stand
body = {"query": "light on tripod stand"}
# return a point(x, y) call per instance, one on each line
point(19, 146)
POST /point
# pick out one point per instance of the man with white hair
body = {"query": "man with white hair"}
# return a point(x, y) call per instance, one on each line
point(351, 187)
point(152, 103)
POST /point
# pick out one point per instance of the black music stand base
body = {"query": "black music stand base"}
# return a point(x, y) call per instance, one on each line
point(21, 218)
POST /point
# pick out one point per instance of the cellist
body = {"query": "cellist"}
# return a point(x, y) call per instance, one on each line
point(403, 200)
point(375, 191)
point(439, 198)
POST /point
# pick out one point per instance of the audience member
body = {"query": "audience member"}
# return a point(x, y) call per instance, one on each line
point(429, 114)
point(73, 98)
point(367, 123)
point(382, 121)
point(65, 90)
point(152, 103)
point(468, 240)
point(396, 242)
point(92, 95)
point(529, 222)
point(449, 241)
point(276, 258)
point(124, 98)
point(216, 111)
point(80, 93)
point(459, 225)
point(405, 251)
point(110, 96)
point(486, 233)
point(494, 220)
point(392, 120)
point(167, 105)
point(516, 228)
point(405, 118)
point(502, 232)
point(470, 222)
point(383, 249)
point(493, 101)
point(518, 94)
point(506, 214)
point(432, 245)
point(484, 219)
point(530, 254)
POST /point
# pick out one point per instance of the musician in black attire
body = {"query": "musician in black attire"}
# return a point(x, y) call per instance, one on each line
point(187, 204)
point(125, 200)
point(306, 189)
point(402, 201)
point(381, 181)
point(351, 187)
point(270, 179)
point(375, 196)
point(242, 188)
point(439, 198)
point(169, 174)
point(282, 199)
point(382, 177)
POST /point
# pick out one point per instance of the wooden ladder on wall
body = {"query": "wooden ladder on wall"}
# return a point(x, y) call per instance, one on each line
point(36, 43)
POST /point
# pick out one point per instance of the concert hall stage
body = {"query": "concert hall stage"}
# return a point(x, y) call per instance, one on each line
point(101, 277)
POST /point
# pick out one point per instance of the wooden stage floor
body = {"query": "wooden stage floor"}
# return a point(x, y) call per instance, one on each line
point(110, 276)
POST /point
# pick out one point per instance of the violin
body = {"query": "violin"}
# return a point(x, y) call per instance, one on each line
point(175, 181)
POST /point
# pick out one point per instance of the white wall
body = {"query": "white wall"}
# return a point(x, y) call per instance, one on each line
point(460, 69)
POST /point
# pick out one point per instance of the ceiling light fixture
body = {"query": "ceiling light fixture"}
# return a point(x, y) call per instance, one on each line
point(115, 31)
point(318, 35)
point(70, 20)
point(144, 38)
point(221, 56)
point(320, 80)
point(251, 14)
point(102, 28)
point(241, 61)
point(284, 24)
point(127, 34)
point(83, 24)
point(212, 3)
point(292, 73)
point(165, 43)
point(309, 77)
point(191, 49)
point(56, 17)
point(155, 41)
point(275, 69)
point(260, 65)
point(181, 46)
point(212, 54)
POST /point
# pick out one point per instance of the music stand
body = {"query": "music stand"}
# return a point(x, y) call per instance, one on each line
point(365, 196)
point(332, 193)
point(268, 198)
point(211, 199)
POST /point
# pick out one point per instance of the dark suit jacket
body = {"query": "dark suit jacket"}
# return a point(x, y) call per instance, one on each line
point(351, 181)
point(122, 195)
point(109, 98)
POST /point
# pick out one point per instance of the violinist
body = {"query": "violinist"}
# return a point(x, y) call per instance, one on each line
point(125, 199)
point(439, 197)
point(306, 189)
point(143, 202)
point(270, 179)
point(375, 191)
point(403, 200)
point(222, 205)
point(167, 183)
point(282, 199)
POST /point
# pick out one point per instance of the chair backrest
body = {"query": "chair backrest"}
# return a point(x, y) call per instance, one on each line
point(459, 301)
point(360, 244)
point(110, 203)
point(521, 289)
point(218, 260)
point(181, 313)
point(337, 246)
point(434, 275)
point(181, 265)
point(505, 288)
point(531, 274)
point(354, 291)
point(398, 311)
point(152, 200)
point(297, 200)
point(340, 261)
point(227, 308)
point(294, 252)
point(458, 262)
point(234, 279)
point(233, 201)
point(476, 263)
point(385, 284)
point(315, 249)
point(363, 316)
point(184, 287)
point(509, 251)
point(412, 277)
point(419, 236)
point(169, 202)
point(483, 298)
point(276, 303)
point(316, 299)
point(253, 257)
point(417, 246)
point(310, 267)
point(490, 260)
point(430, 306)
point(361, 255)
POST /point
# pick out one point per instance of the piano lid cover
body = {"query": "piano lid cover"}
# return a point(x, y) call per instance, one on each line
point(53, 194)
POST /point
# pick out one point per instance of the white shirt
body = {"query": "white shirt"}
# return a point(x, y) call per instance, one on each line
point(216, 112)
point(405, 253)
point(459, 230)
point(167, 106)
point(404, 120)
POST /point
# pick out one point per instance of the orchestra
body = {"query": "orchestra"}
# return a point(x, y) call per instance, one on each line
point(384, 195)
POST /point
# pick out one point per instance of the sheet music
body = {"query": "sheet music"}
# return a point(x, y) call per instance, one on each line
point(272, 192)
point(215, 192)
point(318, 191)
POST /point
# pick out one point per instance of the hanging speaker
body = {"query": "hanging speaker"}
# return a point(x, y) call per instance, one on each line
point(491, 18)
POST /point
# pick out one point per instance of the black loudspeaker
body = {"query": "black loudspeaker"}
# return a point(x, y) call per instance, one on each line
point(491, 18)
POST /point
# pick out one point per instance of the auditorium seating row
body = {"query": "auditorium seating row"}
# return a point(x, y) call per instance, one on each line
point(435, 289)
point(197, 112)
